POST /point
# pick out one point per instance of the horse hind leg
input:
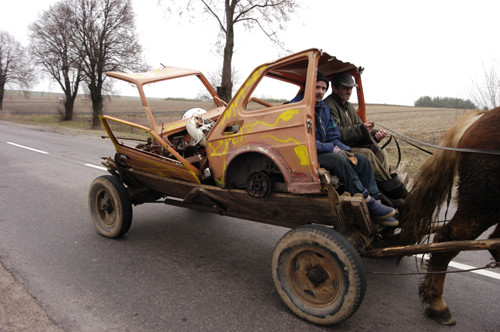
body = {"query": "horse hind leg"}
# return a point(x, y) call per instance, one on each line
point(431, 288)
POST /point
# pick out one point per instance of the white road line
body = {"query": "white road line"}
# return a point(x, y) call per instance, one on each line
point(98, 167)
point(27, 148)
point(485, 273)
point(44, 152)
point(460, 266)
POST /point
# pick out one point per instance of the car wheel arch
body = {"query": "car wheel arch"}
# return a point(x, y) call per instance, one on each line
point(253, 159)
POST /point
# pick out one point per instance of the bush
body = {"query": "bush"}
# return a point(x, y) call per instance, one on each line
point(445, 102)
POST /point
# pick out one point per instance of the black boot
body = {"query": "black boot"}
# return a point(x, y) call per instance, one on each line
point(394, 202)
point(393, 188)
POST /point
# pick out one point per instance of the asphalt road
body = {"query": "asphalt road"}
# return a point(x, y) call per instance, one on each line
point(177, 269)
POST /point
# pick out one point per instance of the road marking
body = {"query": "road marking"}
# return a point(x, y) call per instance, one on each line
point(98, 167)
point(27, 148)
point(461, 266)
point(45, 152)
point(486, 273)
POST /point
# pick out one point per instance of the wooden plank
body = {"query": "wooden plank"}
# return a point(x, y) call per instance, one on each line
point(235, 214)
point(356, 213)
point(277, 208)
point(281, 209)
point(449, 246)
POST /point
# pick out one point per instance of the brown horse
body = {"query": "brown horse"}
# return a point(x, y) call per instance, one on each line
point(478, 206)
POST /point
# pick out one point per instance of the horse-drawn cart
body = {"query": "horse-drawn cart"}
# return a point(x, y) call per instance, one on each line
point(255, 160)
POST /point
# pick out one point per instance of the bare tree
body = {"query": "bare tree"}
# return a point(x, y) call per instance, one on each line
point(106, 40)
point(215, 77)
point(485, 93)
point(267, 15)
point(52, 49)
point(15, 68)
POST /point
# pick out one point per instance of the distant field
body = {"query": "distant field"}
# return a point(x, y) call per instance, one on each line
point(127, 107)
point(425, 124)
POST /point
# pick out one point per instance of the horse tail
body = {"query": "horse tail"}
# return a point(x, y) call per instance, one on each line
point(433, 183)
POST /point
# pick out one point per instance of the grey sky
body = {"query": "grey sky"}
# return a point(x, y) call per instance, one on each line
point(409, 49)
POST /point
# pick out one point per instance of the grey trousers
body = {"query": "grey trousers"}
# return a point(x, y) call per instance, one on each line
point(378, 160)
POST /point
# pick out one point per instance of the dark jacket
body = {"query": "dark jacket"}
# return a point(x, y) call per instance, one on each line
point(351, 126)
point(327, 132)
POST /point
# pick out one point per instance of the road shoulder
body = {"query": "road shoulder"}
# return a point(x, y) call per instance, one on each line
point(19, 311)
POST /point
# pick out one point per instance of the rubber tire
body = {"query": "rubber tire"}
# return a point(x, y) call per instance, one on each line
point(313, 250)
point(110, 206)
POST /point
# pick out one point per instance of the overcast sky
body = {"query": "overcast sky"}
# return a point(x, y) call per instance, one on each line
point(409, 49)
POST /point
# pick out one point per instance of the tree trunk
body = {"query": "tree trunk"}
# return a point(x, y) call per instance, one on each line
point(2, 91)
point(70, 97)
point(225, 91)
point(96, 97)
point(96, 111)
point(69, 102)
point(68, 108)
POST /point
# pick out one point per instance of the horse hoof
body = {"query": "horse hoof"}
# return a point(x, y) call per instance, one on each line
point(442, 317)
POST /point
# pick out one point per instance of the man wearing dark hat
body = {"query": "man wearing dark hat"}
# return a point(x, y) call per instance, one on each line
point(333, 155)
point(357, 134)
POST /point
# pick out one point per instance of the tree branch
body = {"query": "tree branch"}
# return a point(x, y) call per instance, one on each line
point(214, 15)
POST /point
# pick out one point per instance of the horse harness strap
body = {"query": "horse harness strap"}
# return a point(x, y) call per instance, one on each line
point(491, 265)
point(407, 138)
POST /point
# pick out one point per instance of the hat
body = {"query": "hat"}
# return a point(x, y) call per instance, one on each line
point(345, 79)
point(322, 77)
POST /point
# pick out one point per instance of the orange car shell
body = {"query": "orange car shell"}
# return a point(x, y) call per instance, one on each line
point(280, 133)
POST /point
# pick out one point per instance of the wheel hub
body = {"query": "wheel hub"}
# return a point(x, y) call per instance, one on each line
point(315, 277)
point(106, 208)
point(258, 185)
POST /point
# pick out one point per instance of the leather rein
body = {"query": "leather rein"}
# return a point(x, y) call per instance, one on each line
point(413, 142)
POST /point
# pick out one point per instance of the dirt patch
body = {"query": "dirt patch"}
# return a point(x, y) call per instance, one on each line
point(19, 311)
point(423, 124)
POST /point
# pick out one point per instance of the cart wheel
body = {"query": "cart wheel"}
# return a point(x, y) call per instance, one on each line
point(318, 274)
point(110, 206)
